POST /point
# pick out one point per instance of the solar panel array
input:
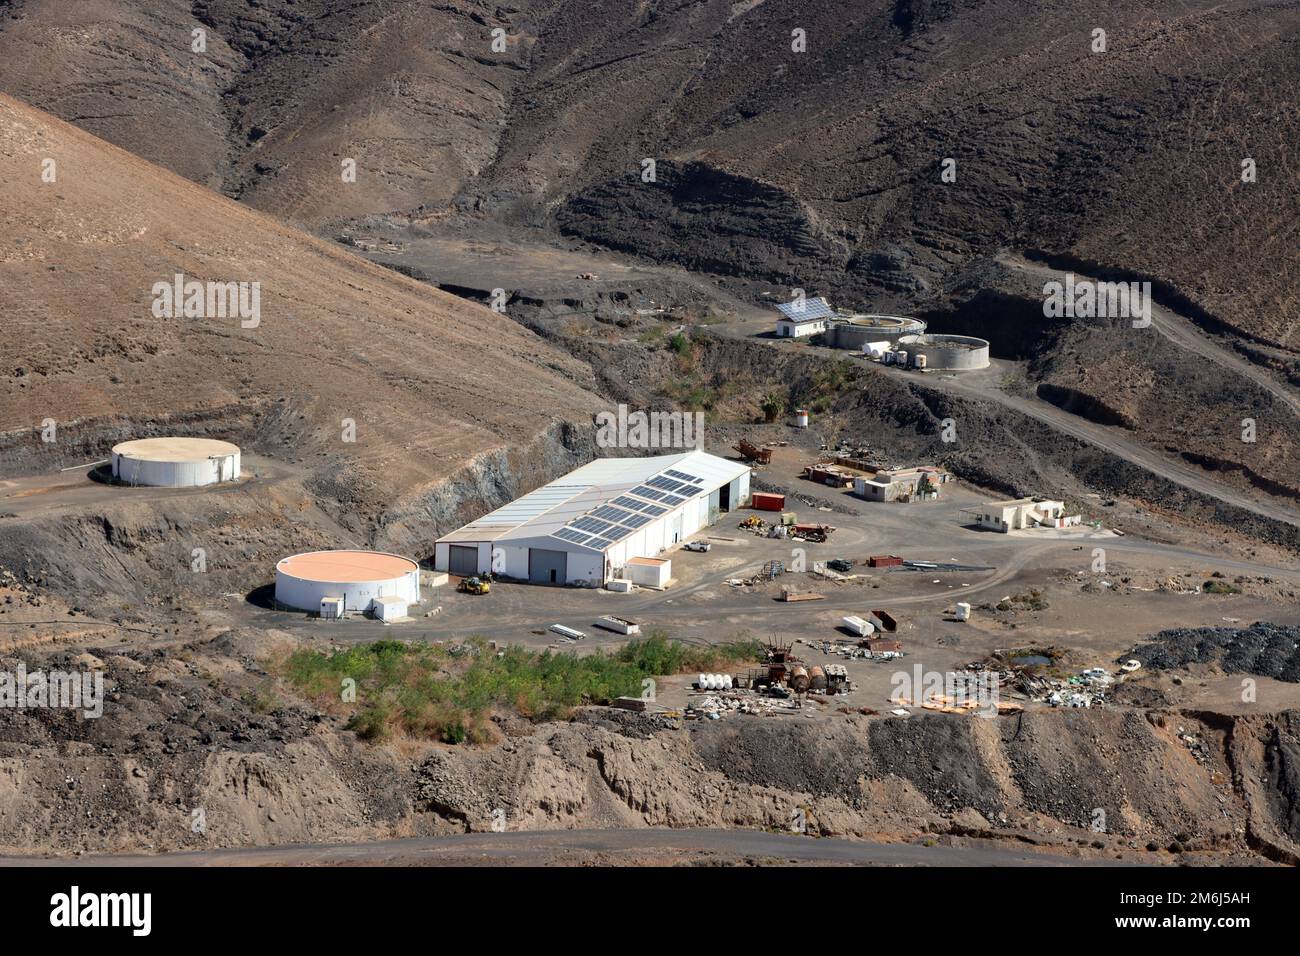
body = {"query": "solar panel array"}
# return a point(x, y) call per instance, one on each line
point(615, 520)
point(806, 310)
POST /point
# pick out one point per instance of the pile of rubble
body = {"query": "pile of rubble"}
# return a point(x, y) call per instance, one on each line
point(856, 650)
point(713, 707)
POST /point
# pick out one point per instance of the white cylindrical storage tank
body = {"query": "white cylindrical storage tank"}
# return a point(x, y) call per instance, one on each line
point(175, 462)
point(801, 418)
point(358, 577)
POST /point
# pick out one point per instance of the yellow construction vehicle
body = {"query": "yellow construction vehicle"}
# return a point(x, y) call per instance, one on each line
point(474, 585)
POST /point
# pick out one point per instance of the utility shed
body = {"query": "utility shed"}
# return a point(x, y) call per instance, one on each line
point(803, 317)
point(388, 607)
point(649, 572)
point(588, 526)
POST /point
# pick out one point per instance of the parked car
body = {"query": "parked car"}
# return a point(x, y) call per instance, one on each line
point(696, 546)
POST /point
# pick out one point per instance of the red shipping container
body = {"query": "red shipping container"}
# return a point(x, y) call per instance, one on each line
point(763, 501)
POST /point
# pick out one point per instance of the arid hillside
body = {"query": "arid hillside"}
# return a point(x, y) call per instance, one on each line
point(818, 167)
point(374, 381)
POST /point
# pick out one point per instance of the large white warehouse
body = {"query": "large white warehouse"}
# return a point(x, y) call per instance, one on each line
point(175, 462)
point(357, 578)
point(584, 528)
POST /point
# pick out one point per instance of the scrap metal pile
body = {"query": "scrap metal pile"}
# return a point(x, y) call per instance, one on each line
point(780, 686)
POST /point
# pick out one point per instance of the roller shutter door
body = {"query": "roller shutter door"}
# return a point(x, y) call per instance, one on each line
point(463, 561)
point(547, 567)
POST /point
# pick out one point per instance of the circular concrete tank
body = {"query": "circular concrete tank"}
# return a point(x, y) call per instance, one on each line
point(854, 331)
point(952, 352)
point(175, 462)
point(358, 577)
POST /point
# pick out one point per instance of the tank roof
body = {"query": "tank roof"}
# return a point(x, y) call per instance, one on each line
point(175, 449)
point(341, 567)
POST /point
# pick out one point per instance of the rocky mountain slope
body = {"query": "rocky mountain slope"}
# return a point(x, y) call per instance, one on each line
point(374, 384)
point(823, 127)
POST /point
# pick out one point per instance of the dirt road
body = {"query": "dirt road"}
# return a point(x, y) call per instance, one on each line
point(1183, 333)
point(627, 846)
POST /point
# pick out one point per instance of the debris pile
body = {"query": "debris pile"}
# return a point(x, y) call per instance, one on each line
point(1262, 649)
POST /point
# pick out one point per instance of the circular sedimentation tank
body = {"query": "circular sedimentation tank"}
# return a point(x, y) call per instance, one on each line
point(959, 352)
point(358, 577)
point(175, 462)
point(852, 331)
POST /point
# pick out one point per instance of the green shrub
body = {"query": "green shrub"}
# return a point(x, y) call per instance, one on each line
point(1220, 587)
point(426, 691)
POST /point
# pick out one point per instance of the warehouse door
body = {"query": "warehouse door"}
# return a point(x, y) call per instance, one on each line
point(714, 499)
point(724, 497)
point(547, 567)
point(675, 527)
point(463, 561)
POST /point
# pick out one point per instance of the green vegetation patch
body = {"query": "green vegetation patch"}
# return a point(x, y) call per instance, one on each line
point(448, 693)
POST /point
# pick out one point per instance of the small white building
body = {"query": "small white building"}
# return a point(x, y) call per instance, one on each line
point(649, 572)
point(588, 527)
point(388, 607)
point(803, 317)
point(1021, 513)
point(896, 483)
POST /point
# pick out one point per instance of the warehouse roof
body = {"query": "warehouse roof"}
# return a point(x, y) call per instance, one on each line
point(604, 501)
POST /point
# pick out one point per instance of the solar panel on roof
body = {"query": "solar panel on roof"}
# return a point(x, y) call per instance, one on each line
point(667, 484)
point(627, 502)
point(593, 525)
point(600, 544)
point(682, 476)
point(645, 492)
point(806, 310)
point(672, 500)
point(654, 510)
point(568, 534)
point(637, 521)
point(618, 534)
point(610, 513)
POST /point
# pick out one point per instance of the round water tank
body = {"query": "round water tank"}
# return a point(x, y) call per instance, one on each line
point(358, 577)
point(175, 462)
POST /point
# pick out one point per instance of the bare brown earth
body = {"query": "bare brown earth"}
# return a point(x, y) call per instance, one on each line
point(818, 170)
point(813, 169)
point(775, 169)
point(340, 340)
point(187, 738)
